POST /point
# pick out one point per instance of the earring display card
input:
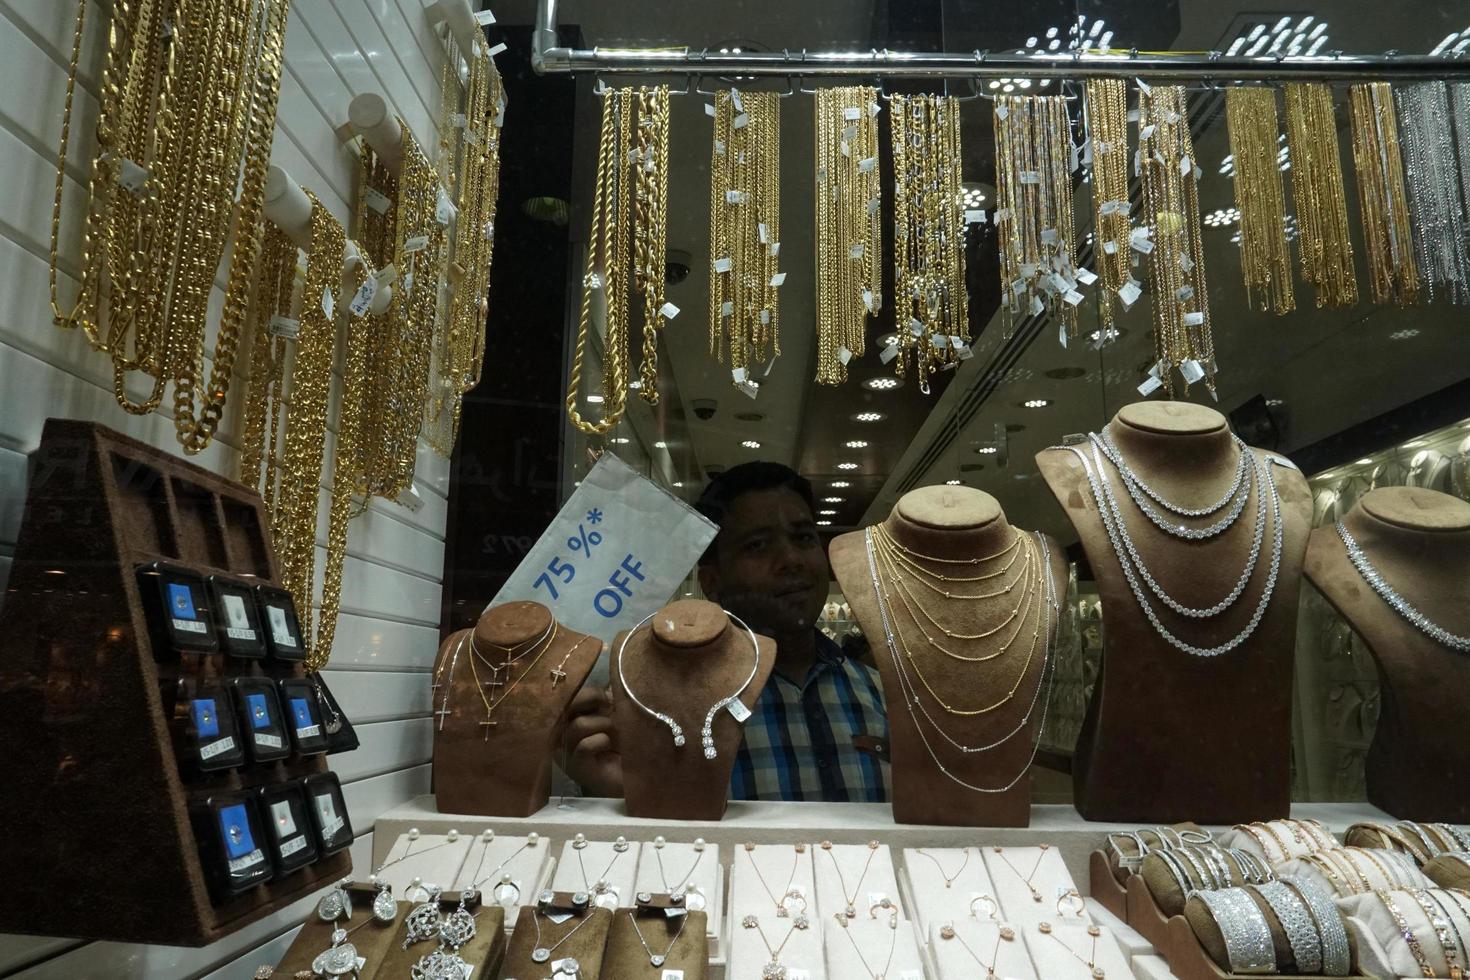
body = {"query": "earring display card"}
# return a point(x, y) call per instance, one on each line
point(230, 843)
point(486, 866)
point(299, 700)
point(328, 812)
point(238, 619)
point(261, 722)
point(212, 740)
point(282, 629)
point(434, 860)
point(178, 608)
point(288, 834)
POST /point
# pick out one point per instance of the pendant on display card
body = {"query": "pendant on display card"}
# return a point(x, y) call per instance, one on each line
point(385, 909)
point(339, 960)
point(540, 954)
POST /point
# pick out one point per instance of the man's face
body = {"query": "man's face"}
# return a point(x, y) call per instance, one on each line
point(771, 569)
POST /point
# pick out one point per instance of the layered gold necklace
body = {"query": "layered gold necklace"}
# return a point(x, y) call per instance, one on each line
point(1264, 256)
point(745, 228)
point(1321, 205)
point(848, 226)
point(1107, 134)
point(932, 305)
point(187, 108)
point(1392, 269)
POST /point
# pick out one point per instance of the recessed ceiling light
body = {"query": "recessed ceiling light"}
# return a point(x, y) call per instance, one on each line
point(988, 450)
point(620, 440)
point(951, 483)
point(827, 513)
point(678, 483)
point(1275, 402)
point(868, 417)
point(856, 444)
point(1405, 334)
point(751, 444)
point(1364, 461)
point(847, 466)
point(660, 445)
point(882, 384)
point(833, 500)
point(1036, 403)
point(594, 399)
point(887, 340)
point(824, 523)
point(841, 484)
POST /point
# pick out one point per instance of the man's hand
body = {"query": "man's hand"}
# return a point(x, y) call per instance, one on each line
point(594, 761)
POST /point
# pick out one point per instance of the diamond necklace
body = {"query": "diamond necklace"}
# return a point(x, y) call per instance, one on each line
point(781, 910)
point(774, 970)
point(892, 946)
point(539, 953)
point(683, 886)
point(1091, 962)
point(1238, 491)
point(707, 737)
point(1005, 933)
point(657, 959)
point(1400, 605)
point(1026, 880)
point(850, 911)
point(949, 880)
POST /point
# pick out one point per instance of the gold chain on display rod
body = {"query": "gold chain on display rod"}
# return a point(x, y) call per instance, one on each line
point(1393, 272)
point(1107, 133)
point(1317, 187)
point(1264, 256)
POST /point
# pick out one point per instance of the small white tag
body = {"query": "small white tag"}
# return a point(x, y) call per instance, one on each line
point(735, 98)
point(1086, 276)
point(268, 740)
point(873, 205)
point(416, 244)
point(1048, 236)
point(443, 208)
point(739, 712)
point(1111, 207)
point(765, 316)
point(1141, 244)
point(763, 233)
point(775, 249)
point(856, 252)
point(131, 177)
point(1036, 306)
point(1184, 293)
point(798, 975)
point(1192, 371)
point(974, 216)
point(720, 147)
point(1062, 333)
point(865, 166)
point(1185, 262)
point(248, 861)
point(216, 747)
point(846, 148)
point(1001, 112)
point(557, 918)
point(1146, 131)
point(496, 49)
point(293, 845)
point(844, 355)
point(672, 975)
point(940, 341)
point(734, 197)
point(1072, 297)
point(363, 299)
point(668, 311)
point(750, 389)
point(310, 731)
point(709, 110)
point(387, 275)
point(849, 133)
point(1074, 159)
point(723, 265)
point(1150, 385)
point(459, 120)
point(1194, 319)
point(778, 279)
point(740, 121)
point(236, 633)
point(1129, 293)
point(330, 828)
point(190, 626)
point(852, 114)
point(727, 308)
point(329, 304)
point(1110, 248)
point(376, 200)
point(888, 353)
point(1143, 86)
point(1030, 176)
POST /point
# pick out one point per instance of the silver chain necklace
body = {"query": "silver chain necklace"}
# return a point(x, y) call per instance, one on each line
point(1400, 605)
point(706, 733)
point(1138, 489)
point(658, 959)
point(683, 886)
point(539, 953)
point(1121, 551)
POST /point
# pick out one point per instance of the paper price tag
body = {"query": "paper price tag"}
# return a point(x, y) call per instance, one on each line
point(668, 311)
point(734, 197)
point(268, 740)
point(1048, 236)
point(443, 208)
point(190, 626)
point(362, 301)
point(856, 252)
point(376, 200)
point(248, 861)
point(130, 176)
point(775, 249)
point(1001, 111)
point(494, 50)
point(738, 710)
point(1186, 166)
point(798, 975)
point(765, 316)
point(1194, 319)
point(1141, 245)
point(1062, 333)
point(974, 216)
point(727, 308)
point(852, 114)
point(844, 355)
point(293, 845)
point(216, 747)
point(709, 110)
point(940, 341)
point(867, 165)
point(1150, 385)
point(1129, 293)
point(720, 147)
point(749, 389)
point(1086, 276)
point(1030, 177)
point(557, 918)
point(674, 912)
point(888, 353)
point(1071, 297)
point(740, 121)
point(1192, 371)
point(329, 303)
point(672, 975)
point(763, 233)
point(1147, 131)
point(1036, 306)
point(416, 244)
point(1184, 293)
point(778, 279)
point(1110, 248)
point(723, 265)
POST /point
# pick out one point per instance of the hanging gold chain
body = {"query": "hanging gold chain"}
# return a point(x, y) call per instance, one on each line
point(1321, 204)
point(1265, 259)
point(1393, 271)
point(1107, 133)
point(650, 232)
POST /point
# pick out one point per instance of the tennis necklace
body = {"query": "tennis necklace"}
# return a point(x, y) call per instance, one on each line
point(949, 879)
point(706, 733)
point(1400, 605)
point(773, 970)
point(540, 953)
point(1005, 933)
point(850, 911)
point(1025, 880)
point(657, 959)
point(1091, 962)
point(1237, 493)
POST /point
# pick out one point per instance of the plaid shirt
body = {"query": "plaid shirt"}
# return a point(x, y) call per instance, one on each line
point(798, 740)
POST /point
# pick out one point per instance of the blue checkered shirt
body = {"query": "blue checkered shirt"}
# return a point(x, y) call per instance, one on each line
point(798, 740)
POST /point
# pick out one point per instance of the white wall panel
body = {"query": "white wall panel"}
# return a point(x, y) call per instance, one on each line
point(388, 632)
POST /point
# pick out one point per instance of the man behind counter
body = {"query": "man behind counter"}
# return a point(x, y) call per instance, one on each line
point(767, 566)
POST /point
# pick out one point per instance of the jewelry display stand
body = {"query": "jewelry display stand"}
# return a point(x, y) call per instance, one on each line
point(859, 951)
point(946, 531)
point(802, 954)
point(1234, 706)
point(1189, 960)
point(498, 762)
point(707, 882)
point(439, 864)
point(599, 862)
point(1053, 962)
point(484, 952)
point(1381, 947)
point(845, 873)
point(627, 956)
point(1418, 541)
point(1014, 887)
point(1104, 886)
point(527, 866)
point(940, 896)
point(1449, 871)
point(692, 657)
point(759, 878)
point(1012, 959)
point(585, 945)
point(94, 700)
point(373, 940)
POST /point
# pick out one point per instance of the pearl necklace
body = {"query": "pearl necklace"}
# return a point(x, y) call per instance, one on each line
point(1400, 605)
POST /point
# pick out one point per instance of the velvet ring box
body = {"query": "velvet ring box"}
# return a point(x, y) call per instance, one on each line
point(288, 829)
point(238, 618)
point(211, 739)
point(230, 849)
point(262, 724)
point(282, 628)
point(302, 717)
point(328, 811)
point(178, 608)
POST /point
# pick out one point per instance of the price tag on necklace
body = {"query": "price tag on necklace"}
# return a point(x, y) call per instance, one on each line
point(416, 244)
point(376, 200)
point(557, 918)
point(362, 301)
point(329, 303)
point(672, 975)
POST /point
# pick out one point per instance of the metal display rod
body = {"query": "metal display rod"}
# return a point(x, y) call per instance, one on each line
point(548, 58)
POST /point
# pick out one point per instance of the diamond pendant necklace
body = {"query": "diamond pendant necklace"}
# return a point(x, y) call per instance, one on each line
point(707, 738)
point(539, 953)
point(780, 903)
point(601, 886)
point(851, 909)
point(1026, 880)
point(1005, 933)
point(657, 960)
point(949, 880)
point(1400, 605)
point(773, 970)
point(892, 946)
point(1091, 962)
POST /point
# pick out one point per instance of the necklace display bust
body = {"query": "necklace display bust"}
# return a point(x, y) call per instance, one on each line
point(1155, 707)
point(1418, 542)
point(960, 535)
point(499, 693)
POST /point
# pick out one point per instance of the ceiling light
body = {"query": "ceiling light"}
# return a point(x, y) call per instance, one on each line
point(620, 440)
point(824, 523)
point(951, 483)
point(827, 513)
point(840, 484)
point(847, 466)
point(751, 444)
point(660, 445)
point(857, 444)
point(1407, 333)
point(1365, 461)
point(887, 340)
point(833, 500)
point(1036, 403)
point(988, 450)
point(868, 417)
point(881, 384)
point(679, 483)
point(594, 399)
point(1275, 402)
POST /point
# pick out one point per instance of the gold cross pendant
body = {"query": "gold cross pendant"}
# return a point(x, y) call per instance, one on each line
point(557, 676)
point(488, 724)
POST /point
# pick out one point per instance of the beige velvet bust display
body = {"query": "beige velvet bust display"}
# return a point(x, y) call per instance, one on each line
point(1419, 541)
point(1167, 735)
point(955, 523)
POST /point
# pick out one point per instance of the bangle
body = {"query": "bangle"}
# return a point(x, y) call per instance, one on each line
point(1346, 858)
point(1207, 877)
point(1320, 834)
point(1461, 952)
point(1256, 835)
point(1336, 954)
point(1129, 864)
point(1441, 926)
point(1248, 943)
point(1217, 858)
point(1417, 829)
point(1296, 921)
point(1322, 864)
point(1270, 828)
point(1177, 869)
point(1403, 926)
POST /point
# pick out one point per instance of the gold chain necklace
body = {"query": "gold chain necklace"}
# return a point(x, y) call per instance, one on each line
point(848, 226)
point(1393, 271)
point(850, 909)
point(1265, 258)
point(490, 705)
point(1107, 133)
point(650, 232)
point(949, 879)
point(1005, 933)
point(780, 903)
point(1321, 205)
point(1025, 880)
point(913, 604)
point(1091, 962)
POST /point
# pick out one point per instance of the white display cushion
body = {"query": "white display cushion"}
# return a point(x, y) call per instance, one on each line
point(1370, 915)
point(526, 866)
point(433, 859)
point(1050, 879)
point(1371, 959)
point(1012, 957)
point(677, 860)
point(933, 901)
point(874, 939)
point(866, 883)
point(580, 869)
point(778, 864)
point(1347, 881)
point(802, 952)
point(1054, 962)
point(1151, 968)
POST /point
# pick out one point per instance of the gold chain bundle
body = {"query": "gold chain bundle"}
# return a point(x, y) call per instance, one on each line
point(1321, 204)
point(188, 104)
point(631, 160)
point(1382, 195)
point(745, 228)
point(1034, 220)
point(1264, 256)
point(1107, 133)
point(1171, 237)
point(848, 227)
point(933, 310)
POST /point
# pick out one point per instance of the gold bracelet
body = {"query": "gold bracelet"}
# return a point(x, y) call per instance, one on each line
point(1406, 932)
